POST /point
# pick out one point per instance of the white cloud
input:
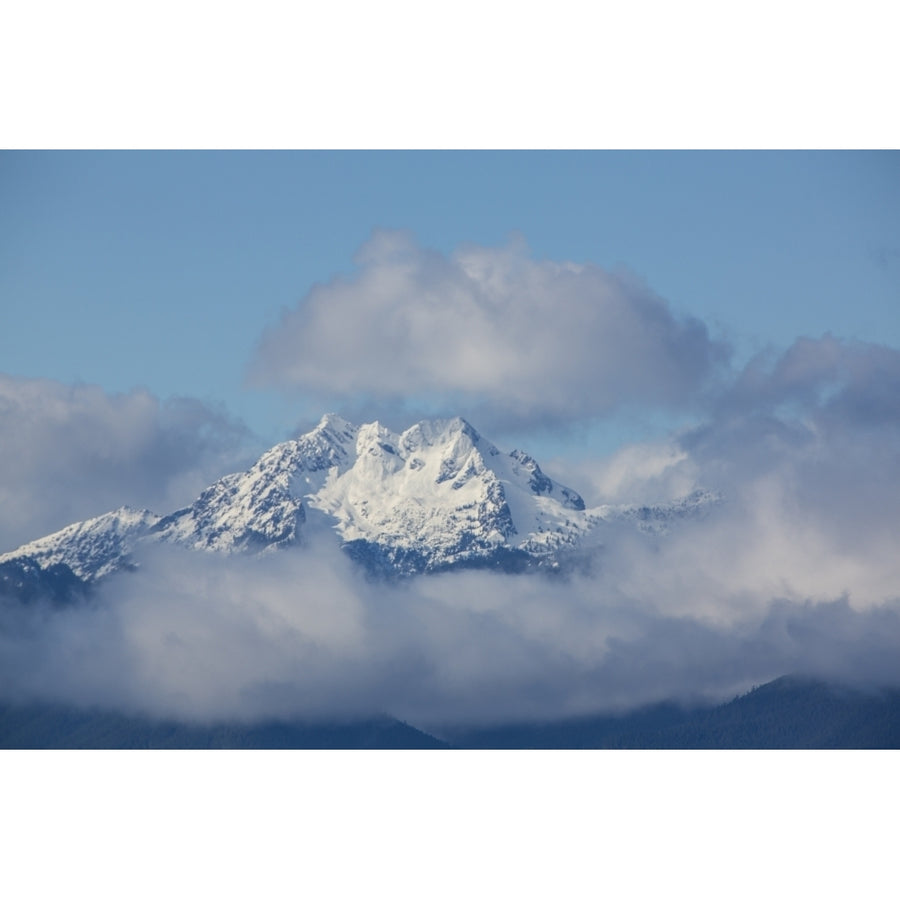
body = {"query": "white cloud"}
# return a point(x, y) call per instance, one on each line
point(68, 452)
point(522, 340)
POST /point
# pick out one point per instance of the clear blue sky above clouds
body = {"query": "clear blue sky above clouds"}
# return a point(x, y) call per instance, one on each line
point(162, 269)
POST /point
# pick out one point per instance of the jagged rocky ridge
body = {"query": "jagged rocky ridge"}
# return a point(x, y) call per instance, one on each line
point(437, 496)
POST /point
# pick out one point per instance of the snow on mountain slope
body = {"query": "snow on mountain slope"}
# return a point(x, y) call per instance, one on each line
point(93, 548)
point(439, 494)
point(262, 508)
point(435, 496)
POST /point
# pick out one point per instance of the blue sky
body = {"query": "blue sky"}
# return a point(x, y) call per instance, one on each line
point(162, 269)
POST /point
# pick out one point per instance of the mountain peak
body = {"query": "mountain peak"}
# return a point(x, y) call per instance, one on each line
point(334, 422)
point(458, 425)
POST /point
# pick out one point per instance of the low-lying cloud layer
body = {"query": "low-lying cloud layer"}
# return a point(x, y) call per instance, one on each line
point(490, 330)
point(302, 634)
point(69, 452)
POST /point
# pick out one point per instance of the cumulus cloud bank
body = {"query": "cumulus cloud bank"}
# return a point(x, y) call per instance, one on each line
point(519, 339)
point(69, 452)
point(805, 448)
point(302, 634)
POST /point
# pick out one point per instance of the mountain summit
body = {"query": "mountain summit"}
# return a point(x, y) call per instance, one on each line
point(436, 496)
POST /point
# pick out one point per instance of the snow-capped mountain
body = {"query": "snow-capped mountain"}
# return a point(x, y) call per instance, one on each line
point(436, 496)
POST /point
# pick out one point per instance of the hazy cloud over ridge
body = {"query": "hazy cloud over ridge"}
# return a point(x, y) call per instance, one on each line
point(541, 340)
point(69, 452)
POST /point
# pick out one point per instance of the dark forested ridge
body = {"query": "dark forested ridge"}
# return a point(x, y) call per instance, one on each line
point(24, 580)
point(37, 727)
point(789, 713)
